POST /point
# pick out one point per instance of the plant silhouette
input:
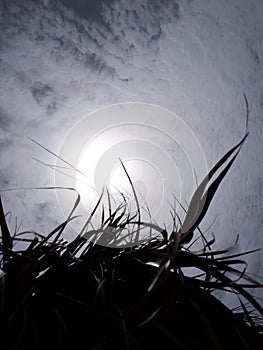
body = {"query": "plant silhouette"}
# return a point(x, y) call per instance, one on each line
point(82, 295)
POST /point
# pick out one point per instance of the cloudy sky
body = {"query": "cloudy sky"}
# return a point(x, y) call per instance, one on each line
point(62, 60)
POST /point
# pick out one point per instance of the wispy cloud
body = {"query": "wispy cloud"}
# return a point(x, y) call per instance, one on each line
point(57, 66)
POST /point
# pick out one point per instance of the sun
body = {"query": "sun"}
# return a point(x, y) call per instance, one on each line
point(157, 149)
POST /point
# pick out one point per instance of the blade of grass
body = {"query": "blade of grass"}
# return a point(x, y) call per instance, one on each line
point(6, 237)
point(201, 200)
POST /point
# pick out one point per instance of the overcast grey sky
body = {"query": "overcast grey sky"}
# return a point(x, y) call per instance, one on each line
point(89, 9)
point(61, 60)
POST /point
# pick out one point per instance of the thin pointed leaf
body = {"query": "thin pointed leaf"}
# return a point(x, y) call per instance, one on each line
point(247, 111)
point(91, 215)
point(135, 197)
point(6, 237)
point(200, 201)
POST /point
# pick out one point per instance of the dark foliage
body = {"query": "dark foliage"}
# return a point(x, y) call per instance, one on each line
point(82, 295)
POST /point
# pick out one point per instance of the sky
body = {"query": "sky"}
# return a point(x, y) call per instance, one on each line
point(64, 64)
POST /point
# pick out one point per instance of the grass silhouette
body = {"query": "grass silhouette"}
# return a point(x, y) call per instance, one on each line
point(82, 295)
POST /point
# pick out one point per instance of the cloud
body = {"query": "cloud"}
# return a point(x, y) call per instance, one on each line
point(194, 58)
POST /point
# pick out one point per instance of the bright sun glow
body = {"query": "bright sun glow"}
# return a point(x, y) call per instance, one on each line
point(106, 171)
point(159, 151)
